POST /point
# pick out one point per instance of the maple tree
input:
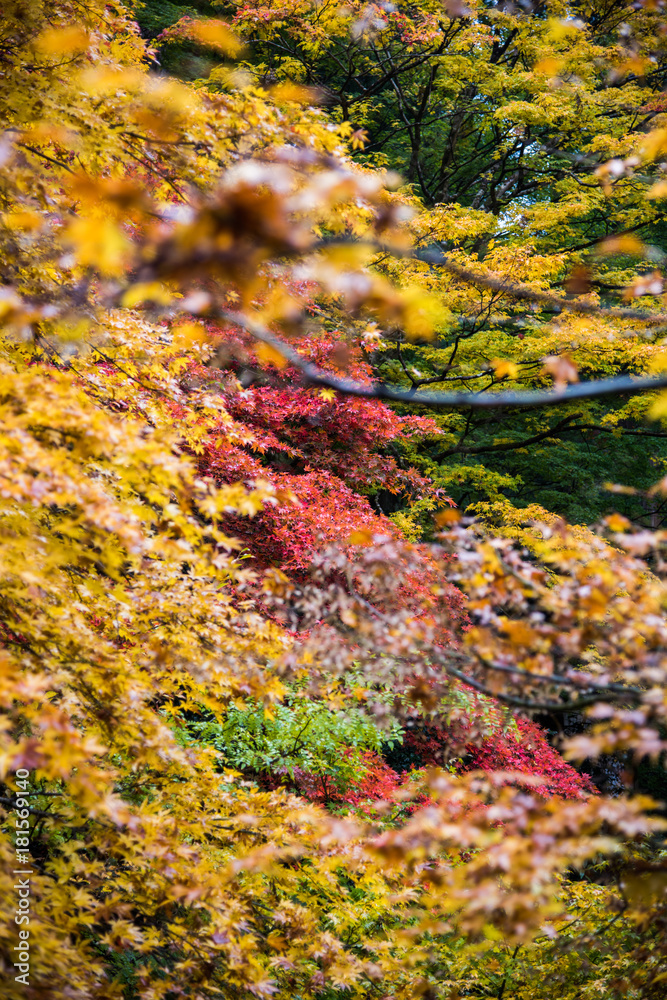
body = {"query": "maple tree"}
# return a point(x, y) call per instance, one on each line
point(213, 629)
point(497, 118)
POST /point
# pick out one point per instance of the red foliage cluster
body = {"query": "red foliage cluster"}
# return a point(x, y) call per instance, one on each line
point(528, 753)
point(342, 436)
point(323, 510)
point(375, 780)
point(422, 32)
point(307, 429)
point(531, 754)
point(326, 453)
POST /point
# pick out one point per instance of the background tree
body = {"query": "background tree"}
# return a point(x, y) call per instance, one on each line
point(497, 119)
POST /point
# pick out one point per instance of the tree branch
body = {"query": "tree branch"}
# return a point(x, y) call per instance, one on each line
point(511, 445)
point(438, 258)
point(515, 291)
point(622, 384)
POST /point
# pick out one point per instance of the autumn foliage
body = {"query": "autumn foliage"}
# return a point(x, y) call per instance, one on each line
point(302, 691)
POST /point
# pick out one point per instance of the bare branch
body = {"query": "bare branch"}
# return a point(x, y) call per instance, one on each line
point(516, 291)
point(533, 295)
point(438, 258)
point(601, 694)
point(621, 385)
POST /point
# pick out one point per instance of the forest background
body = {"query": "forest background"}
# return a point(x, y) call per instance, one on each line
point(332, 487)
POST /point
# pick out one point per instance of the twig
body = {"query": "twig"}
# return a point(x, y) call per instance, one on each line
point(620, 385)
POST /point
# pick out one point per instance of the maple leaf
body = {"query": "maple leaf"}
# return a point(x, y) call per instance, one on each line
point(563, 370)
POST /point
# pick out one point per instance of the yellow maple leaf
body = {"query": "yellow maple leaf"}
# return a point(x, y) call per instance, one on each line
point(658, 190)
point(217, 35)
point(100, 244)
point(360, 537)
point(187, 334)
point(627, 243)
point(504, 368)
point(269, 355)
point(659, 407)
point(59, 41)
point(146, 291)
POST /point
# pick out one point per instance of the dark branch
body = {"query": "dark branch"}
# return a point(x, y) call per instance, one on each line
point(512, 445)
point(437, 258)
point(623, 384)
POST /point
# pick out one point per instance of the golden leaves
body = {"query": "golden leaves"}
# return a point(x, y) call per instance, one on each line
point(447, 517)
point(549, 66)
point(359, 138)
point(626, 243)
point(269, 355)
point(99, 244)
point(109, 79)
point(654, 144)
point(289, 92)
point(62, 41)
point(98, 234)
point(190, 334)
point(120, 194)
point(563, 369)
point(657, 191)
point(215, 34)
point(128, 602)
point(360, 537)
point(658, 408)
point(147, 291)
point(616, 522)
point(26, 220)
point(517, 844)
point(421, 313)
point(504, 368)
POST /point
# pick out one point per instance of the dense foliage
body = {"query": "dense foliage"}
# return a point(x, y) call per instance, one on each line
point(497, 119)
point(267, 688)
